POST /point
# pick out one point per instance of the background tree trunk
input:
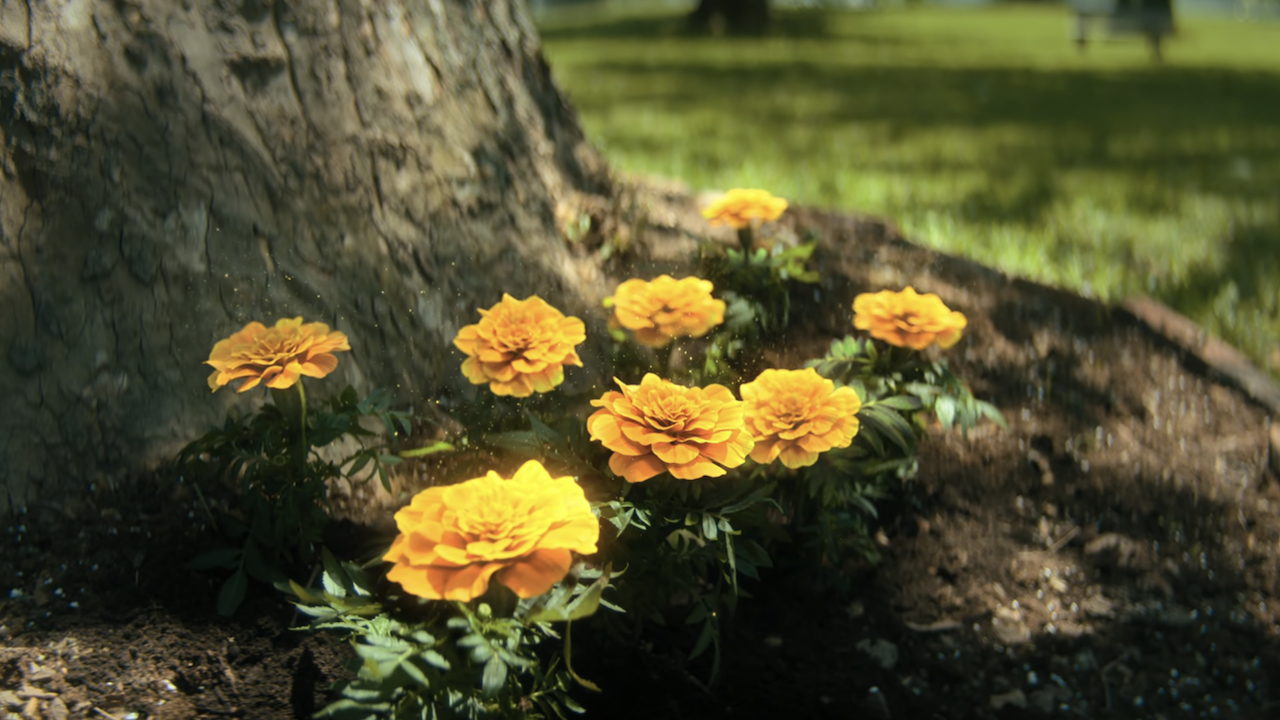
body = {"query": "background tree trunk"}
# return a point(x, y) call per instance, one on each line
point(731, 16)
point(172, 170)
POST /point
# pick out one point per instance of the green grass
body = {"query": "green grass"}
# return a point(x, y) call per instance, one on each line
point(981, 132)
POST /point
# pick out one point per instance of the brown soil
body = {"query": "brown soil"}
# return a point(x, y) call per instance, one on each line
point(1110, 555)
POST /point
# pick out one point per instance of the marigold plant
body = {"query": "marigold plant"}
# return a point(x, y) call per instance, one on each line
point(739, 207)
point(520, 346)
point(664, 308)
point(275, 356)
point(519, 532)
point(658, 426)
point(908, 319)
point(794, 415)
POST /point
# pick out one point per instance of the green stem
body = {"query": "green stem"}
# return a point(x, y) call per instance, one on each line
point(302, 398)
point(746, 240)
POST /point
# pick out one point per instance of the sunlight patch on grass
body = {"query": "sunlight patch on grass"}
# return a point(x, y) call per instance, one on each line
point(982, 132)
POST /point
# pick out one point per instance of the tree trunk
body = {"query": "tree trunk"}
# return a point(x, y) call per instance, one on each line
point(737, 17)
point(171, 170)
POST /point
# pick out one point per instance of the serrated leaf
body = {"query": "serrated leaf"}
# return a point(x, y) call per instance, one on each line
point(584, 605)
point(414, 672)
point(302, 593)
point(435, 659)
point(362, 460)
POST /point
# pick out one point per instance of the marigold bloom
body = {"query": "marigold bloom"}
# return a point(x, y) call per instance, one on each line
point(908, 319)
point(520, 346)
point(659, 426)
point(520, 532)
point(275, 356)
point(664, 308)
point(794, 415)
point(739, 207)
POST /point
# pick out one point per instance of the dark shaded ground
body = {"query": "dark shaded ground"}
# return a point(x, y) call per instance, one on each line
point(1110, 555)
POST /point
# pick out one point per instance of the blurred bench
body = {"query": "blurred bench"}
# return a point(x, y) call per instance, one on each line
point(1152, 19)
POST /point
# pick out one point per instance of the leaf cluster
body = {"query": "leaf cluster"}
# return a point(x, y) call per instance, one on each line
point(448, 660)
point(283, 485)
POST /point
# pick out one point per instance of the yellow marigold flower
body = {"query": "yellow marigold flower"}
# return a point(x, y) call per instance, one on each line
point(739, 207)
point(794, 415)
point(659, 426)
point(520, 532)
point(908, 319)
point(664, 308)
point(520, 346)
point(275, 356)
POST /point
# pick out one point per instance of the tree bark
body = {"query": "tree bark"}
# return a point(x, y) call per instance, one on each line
point(171, 170)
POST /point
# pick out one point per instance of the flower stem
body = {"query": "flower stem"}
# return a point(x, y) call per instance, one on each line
point(746, 240)
point(302, 398)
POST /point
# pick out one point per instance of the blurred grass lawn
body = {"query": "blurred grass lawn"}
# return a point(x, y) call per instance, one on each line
point(981, 131)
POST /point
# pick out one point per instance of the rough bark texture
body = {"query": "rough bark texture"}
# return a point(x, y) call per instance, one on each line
point(170, 170)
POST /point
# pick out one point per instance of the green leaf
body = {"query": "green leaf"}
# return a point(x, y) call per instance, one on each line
point(751, 499)
point(582, 606)
point(434, 659)
point(521, 442)
point(326, 428)
point(258, 568)
point(709, 526)
point(219, 557)
point(704, 638)
point(945, 409)
point(901, 402)
point(362, 460)
point(335, 580)
point(353, 710)
point(232, 593)
point(414, 672)
point(494, 677)
point(433, 448)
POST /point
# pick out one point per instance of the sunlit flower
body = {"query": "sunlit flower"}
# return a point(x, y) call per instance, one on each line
point(794, 415)
point(520, 346)
point(664, 308)
point(659, 426)
point(519, 532)
point(275, 356)
point(739, 207)
point(908, 319)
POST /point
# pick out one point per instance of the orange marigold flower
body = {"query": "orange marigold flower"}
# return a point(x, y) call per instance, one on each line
point(659, 426)
point(664, 308)
point(794, 415)
point(520, 346)
point(520, 532)
point(739, 207)
point(275, 356)
point(908, 319)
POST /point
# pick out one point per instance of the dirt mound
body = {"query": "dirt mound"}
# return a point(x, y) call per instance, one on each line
point(1109, 555)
